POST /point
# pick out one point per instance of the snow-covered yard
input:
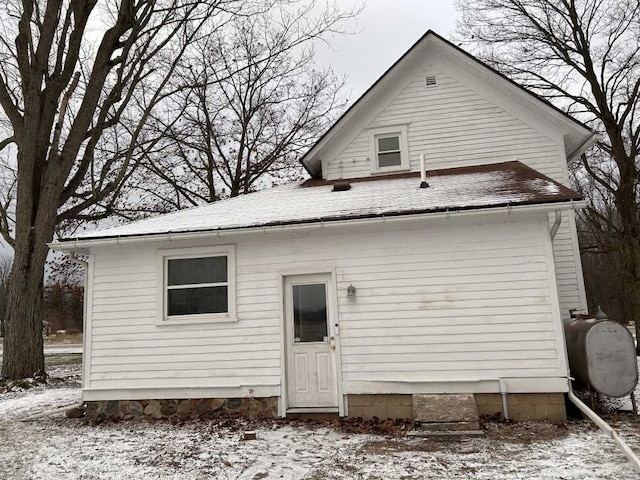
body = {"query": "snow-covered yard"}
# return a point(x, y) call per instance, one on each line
point(54, 447)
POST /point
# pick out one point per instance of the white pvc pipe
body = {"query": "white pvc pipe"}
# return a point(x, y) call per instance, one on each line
point(605, 427)
point(423, 169)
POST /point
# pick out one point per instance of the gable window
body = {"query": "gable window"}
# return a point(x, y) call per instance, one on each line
point(198, 284)
point(389, 151)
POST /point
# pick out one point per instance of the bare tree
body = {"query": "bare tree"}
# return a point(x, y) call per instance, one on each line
point(251, 103)
point(585, 56)
point(78, 82)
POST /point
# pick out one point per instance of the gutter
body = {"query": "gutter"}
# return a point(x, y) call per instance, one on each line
point(320, 224)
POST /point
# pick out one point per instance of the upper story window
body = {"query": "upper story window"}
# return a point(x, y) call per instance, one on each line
point(389, 150)
point(198, 284)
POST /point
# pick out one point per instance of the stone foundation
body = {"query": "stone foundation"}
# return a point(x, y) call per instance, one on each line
point(182, 408)
point(381, 406)
point(524, 406)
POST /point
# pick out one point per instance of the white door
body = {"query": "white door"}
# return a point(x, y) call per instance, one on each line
point(311, 364)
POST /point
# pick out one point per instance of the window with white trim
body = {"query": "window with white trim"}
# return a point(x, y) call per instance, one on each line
point(198, 284)
point(389, 151)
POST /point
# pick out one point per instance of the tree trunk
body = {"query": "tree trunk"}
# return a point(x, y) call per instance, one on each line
point(23, 352)
point(36, 210)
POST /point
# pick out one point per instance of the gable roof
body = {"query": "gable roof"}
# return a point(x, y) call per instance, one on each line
point(582, 137)
point(314, 201)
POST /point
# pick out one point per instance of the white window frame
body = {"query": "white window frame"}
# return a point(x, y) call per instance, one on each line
point(198, 252)
point(395, 130)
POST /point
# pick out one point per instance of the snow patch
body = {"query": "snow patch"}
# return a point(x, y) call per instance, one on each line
point(36, 403)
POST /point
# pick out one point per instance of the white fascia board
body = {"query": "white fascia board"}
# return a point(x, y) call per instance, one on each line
point(580, 149)
point(75, 245)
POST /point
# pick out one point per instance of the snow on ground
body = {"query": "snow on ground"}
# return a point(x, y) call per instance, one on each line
point(36, 403)
point(54, 447)
point(67, 449)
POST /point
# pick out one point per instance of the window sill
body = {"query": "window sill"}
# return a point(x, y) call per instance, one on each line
point(196, 319)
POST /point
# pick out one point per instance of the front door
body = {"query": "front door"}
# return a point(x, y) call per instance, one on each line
point(311, 365)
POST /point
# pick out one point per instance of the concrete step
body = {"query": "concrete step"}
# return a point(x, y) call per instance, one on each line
point(445, 408)
point(445, 415)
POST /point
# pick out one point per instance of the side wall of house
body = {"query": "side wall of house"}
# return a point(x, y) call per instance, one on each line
point(442, 305)
point(454, 125)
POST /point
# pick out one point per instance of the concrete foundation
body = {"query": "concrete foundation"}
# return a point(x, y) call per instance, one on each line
point(524, 406)
point(381, 406)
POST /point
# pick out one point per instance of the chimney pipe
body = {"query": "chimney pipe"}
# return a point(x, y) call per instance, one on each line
point(423, 172)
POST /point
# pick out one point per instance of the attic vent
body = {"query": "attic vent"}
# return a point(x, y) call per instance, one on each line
point(431, 81)
point(341, 186)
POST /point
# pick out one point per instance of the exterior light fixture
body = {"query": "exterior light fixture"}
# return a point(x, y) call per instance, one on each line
point(351, 291)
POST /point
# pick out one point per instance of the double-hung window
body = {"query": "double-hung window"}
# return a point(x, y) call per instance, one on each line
point(198, 284)
point(389, 151)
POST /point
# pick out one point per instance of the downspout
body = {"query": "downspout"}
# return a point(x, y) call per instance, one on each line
point(605, 427)
point(503, 392)
point(556, 224)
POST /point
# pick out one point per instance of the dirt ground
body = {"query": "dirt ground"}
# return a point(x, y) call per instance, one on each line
point(54, 447)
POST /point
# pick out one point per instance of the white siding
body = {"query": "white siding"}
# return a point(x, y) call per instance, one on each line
point(454, 127)
point(448, 299)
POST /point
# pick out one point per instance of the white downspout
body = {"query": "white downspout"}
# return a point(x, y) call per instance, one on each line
point(556, 224)
point(605, 427)
point(503, 392)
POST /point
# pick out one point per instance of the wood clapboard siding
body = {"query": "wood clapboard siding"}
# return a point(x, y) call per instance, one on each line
point(455, 298)
point(454, 126)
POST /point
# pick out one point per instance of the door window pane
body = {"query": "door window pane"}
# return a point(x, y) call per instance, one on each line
point(310, 313)
point(191, 301)
point(189, 271)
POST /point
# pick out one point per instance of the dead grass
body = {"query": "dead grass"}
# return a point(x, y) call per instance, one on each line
point(63, 339)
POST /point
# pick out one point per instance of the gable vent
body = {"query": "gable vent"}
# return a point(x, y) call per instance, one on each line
point(431, 81)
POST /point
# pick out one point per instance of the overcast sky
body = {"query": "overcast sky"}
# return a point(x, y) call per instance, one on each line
point(385, 30)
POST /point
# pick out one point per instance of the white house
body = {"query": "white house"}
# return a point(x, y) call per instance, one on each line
point(357, 289)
